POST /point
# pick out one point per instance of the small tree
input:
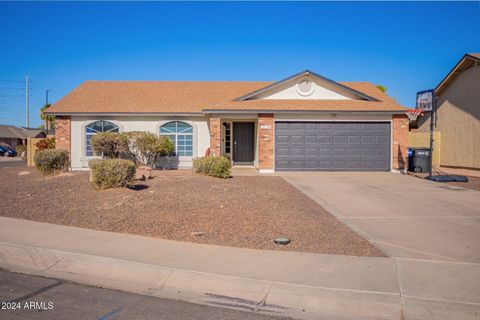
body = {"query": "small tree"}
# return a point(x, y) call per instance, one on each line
point(145, 147)
point(382, 88)
point(109, 144)
point(49, 119)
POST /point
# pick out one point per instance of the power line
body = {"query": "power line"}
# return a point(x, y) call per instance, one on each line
point(12, 95)
point(10, 108)
point(7, 80)
point(8, 104)
point(10, 119)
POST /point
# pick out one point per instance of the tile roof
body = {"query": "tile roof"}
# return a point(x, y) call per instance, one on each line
point(194, 97)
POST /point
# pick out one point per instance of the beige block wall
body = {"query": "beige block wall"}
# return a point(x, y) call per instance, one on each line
point(31, 150)
point(422, 140)
point(459, 121)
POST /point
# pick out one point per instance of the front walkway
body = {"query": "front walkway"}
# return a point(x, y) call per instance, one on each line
point(301, 285)
point(405, 216)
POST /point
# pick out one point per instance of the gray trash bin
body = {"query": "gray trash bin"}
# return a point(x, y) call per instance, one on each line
point(419, 160)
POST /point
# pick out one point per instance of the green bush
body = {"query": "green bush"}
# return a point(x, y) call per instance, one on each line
point(21, 148)
point(109, 144)
point(213, 166)
point(145, 147)
point(142, 147)
point(111, 173)
point(50, 161)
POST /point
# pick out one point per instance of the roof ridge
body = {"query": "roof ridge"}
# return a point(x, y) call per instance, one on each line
point(183, 81)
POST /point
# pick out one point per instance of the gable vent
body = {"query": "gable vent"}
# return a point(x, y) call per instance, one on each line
point(305, 87)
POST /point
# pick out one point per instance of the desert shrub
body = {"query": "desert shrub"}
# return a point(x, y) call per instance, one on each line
point(50, 161)
point(109, 144)
point(145, 147)
point(111, 173)
point(48, 143)
point(213, 166)
point(21, 148)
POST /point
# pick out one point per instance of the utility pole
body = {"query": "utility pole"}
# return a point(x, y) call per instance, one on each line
point(26, 102)
point(46, 96)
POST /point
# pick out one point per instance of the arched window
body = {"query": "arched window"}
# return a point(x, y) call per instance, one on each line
point(94, 128)
point(181, 135)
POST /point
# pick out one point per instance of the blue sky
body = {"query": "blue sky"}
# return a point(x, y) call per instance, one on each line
point(406, 46)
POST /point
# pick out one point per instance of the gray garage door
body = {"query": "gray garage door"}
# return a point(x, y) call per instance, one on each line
point(332, 146)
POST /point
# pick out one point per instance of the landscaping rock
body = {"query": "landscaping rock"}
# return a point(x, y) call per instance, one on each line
point(247, 211)
point(143, 173)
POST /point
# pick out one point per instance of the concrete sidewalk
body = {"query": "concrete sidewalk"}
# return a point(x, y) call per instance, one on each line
point(300, 285)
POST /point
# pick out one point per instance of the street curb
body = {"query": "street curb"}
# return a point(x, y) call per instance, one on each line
point(263, 296)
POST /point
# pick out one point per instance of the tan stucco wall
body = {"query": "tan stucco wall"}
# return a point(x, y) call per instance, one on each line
point(422, 140)
point(459, 121)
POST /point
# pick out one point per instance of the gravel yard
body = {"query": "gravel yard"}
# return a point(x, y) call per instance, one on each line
point(244, 211)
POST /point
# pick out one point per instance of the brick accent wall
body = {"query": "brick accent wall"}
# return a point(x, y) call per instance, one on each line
point(63, 135)
point(215, 136)
point(400, 142)
point(266, 140)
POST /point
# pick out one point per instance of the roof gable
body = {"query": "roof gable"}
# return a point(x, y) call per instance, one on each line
point(306, 85)
point(466, 62)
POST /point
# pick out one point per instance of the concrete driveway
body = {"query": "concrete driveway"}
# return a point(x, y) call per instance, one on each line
point(405, 216)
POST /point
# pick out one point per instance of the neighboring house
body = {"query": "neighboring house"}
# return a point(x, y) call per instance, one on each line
point(14, 136)
point(458, 115)
point(305, 122)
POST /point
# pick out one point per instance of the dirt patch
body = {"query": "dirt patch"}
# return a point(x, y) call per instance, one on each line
point(473, 182)
point(245, 211)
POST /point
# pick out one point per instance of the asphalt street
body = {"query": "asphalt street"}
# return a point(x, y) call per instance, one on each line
point(32, 297)
point(11, 162)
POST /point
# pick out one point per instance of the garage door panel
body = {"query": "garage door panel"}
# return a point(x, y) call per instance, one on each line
point(282, 139)
point(381, 140)
point(282, 151)
point(340, 139)
point(381, 152)
point(325, 152)
point(325, 139)
point(354, 140)
point(382, 126)
point(282, 126)
point(297, 138)
point(328, 146)
point(311, 126)
point(369, 126)
point(322, 126)
point(368, 140)
point(311, 139)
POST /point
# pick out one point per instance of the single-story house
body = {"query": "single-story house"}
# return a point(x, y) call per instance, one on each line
point(13, 136)
point(457, 130)
point(305, 122)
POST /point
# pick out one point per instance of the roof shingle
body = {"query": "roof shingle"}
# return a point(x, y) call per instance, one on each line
point(194, 97)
